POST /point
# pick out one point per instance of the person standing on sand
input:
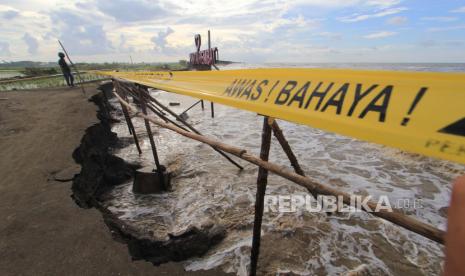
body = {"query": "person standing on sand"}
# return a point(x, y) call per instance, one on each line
point(65, 69)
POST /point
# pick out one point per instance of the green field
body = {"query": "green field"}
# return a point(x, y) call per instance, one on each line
point(45, 82)
point(9, 73)
point(42, 79)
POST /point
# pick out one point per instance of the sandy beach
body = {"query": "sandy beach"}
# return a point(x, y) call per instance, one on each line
point(43, 232)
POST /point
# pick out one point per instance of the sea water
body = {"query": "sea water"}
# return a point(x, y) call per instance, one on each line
point(207, 188)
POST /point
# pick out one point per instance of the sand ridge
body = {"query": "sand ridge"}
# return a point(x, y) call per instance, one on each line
point(42, 231)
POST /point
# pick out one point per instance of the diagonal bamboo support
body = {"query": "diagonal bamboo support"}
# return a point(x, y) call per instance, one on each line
point(128, 118)
point(396, 216)
point(190, 107)
point(172, 113)
point(152, 142)
point(278, 133)
point(139, 96)
point(192, 129)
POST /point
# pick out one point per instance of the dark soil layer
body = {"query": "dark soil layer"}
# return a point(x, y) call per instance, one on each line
point(42, 231)
point(101, 171)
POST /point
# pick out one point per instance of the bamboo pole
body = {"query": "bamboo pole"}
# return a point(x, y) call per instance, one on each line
point(139, 97)
point(152, 143)
point(262, 180)
point(278, 133)
point(172, 113)
point(118, 86)
point(190, 107)
point(134, 90)
point(191, 128)
point(163, 117)
point(150, 134)
point(128, 120)
point(396, 217)
point(75, 68)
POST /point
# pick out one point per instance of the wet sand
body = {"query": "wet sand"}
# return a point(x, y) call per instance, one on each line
point(42, 231)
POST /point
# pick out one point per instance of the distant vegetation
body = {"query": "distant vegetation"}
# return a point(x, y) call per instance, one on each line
point(25, 64)
point(181, 65)
point(29, 65)
point(38, 68)
point(15, 75)
point(43, 82)
point(37, 71)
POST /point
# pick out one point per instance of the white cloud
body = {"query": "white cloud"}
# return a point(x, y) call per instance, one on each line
point(459, 10)
point(244, 30)
point(159, 41)
point(81, 31)
point(442, 43)
point(8, 15)
point(32, 43)
point(397, 20)
point(378, 35)
point(347, 3)
point(296, 22)
point(384, 3)
point(4, 49)
point(4, 8)
point(382, 13)
point(331, 35)
point(134, 11)
point(123, 45)
point(444, 29)
point(440, 18)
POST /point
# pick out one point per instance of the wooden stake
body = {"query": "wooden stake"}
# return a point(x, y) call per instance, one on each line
point(396, 216)
point(128, 118)
point(213, 109)
point(126, 115)
point(172, 113)
point(191, 128)
point(124, 93)
point(150, 134)
point(262, 181)
point(278, 133)
point(190, 107)
point(140, 96)
point(163, 117)
point(152, 143)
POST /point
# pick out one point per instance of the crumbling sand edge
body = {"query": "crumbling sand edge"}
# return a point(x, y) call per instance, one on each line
point(101, 171)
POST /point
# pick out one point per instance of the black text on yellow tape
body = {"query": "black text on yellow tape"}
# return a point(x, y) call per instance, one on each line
point(417, 112)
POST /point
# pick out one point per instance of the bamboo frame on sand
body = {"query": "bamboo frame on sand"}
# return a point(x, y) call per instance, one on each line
point(396, 217)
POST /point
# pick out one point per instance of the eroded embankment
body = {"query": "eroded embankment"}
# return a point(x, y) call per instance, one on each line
point(101, 171)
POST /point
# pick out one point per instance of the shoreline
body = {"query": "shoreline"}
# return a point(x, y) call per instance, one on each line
point(43, 231)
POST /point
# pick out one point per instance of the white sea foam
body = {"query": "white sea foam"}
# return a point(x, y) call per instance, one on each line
point(207, 188)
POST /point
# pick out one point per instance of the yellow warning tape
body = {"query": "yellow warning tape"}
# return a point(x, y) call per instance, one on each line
point(417, 112)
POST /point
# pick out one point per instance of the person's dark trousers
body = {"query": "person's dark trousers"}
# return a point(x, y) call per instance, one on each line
point(69, 78)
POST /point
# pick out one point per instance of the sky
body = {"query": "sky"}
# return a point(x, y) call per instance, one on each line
point(243, 30)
